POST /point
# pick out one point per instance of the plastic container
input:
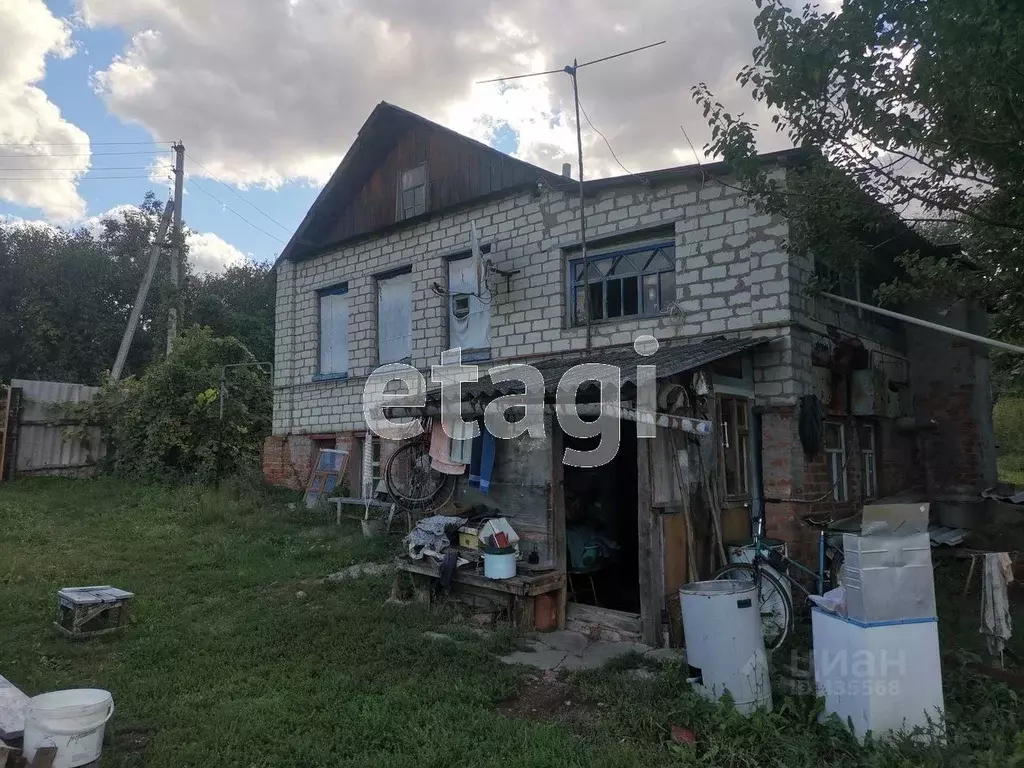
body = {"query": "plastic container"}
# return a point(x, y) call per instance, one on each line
point(725, 644)
point(72, 721)
point(884, 677)
point(499, 563)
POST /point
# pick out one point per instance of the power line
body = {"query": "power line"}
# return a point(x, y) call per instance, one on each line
point(79, 143)
point(75, 179)
point(93, 168)
point(237, 194)
point(92, 154)
point(228, 207)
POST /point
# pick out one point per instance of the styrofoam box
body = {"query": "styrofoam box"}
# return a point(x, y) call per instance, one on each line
point(883, 677)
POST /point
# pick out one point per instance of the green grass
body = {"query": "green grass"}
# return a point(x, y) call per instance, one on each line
point(1008, 420)
point(225, 666)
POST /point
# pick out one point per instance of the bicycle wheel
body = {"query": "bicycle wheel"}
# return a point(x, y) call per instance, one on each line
point(412, 483)
point(776, 606)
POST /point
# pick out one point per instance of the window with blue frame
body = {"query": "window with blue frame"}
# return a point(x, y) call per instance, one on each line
point(333, 331)
point(638, 281)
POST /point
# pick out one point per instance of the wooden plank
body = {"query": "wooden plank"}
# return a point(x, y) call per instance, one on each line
point(558, 534)
point(520, 584)
point(651, 591)
point(44, 757)
point(674, 534)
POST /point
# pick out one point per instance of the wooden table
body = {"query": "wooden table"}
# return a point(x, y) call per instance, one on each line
point(518, 593)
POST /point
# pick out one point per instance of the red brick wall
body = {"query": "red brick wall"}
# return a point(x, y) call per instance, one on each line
point(288, 460)
point(803, 484)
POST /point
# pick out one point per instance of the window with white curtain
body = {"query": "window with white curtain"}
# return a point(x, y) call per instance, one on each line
point(394, 317)
point(334, 331)
point(469, 315)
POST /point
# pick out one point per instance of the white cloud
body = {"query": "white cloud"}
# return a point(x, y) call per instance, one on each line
point(43, 178)
point(211, 253)
point(207, 251)
point(268, 91)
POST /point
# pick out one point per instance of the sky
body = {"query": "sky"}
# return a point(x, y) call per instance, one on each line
point(267, 95)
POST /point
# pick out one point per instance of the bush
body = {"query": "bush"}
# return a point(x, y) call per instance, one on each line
point(167, 425)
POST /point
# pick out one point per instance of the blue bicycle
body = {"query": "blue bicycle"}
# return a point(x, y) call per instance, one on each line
point(776, 575)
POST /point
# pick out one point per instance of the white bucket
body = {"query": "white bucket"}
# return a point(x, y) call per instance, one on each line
point(72, 721)
point(499, 566)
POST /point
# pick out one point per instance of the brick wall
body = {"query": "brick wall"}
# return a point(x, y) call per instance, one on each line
point(287, 460)
point(732, 275)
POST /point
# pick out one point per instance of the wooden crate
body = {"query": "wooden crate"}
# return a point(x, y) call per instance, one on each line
point(90, 611)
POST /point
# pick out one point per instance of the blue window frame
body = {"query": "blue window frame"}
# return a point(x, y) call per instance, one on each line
point(333, 341)
point(638, 281)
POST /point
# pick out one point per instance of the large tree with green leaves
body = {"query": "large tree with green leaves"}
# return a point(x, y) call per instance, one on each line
point(65, 298)
point(917, 107)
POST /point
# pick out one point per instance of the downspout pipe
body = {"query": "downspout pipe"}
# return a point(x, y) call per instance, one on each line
point(926, 324)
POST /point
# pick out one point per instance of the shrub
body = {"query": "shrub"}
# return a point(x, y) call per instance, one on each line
point(167, 424)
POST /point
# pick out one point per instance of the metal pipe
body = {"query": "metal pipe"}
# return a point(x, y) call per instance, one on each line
point(930, 325)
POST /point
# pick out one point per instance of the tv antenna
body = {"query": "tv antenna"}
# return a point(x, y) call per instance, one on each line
point(571, 70)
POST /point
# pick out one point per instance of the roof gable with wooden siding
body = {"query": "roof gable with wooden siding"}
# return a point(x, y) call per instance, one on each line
point(361, 197)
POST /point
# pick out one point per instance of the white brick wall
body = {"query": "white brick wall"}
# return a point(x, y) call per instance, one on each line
point(732, 275)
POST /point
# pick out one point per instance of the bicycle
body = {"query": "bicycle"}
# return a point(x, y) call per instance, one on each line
point(412, 483)
point(769, 568)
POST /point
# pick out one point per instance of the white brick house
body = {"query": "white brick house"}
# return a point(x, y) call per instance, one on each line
point(679, 253)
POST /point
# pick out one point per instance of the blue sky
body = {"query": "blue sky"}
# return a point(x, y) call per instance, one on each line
point(269, 94)
point(67, 84)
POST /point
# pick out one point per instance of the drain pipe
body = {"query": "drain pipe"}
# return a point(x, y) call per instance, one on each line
point(927, 324)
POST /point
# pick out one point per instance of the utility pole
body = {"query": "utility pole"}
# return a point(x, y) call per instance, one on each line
point(179, 182)
point(140, 297)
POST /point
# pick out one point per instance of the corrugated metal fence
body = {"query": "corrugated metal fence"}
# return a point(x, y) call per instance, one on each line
point(41, 448)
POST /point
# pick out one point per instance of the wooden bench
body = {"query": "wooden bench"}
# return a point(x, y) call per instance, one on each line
point(389, 510)
point(517, 594)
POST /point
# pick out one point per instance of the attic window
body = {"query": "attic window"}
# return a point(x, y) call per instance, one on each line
point(412, 192)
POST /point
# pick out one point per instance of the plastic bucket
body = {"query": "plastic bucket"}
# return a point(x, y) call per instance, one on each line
point(72, 721)
point(500, 563)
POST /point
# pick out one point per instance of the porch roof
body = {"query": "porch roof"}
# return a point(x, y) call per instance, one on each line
point(670, 359)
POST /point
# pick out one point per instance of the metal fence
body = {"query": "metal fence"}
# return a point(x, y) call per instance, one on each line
point(41, 448)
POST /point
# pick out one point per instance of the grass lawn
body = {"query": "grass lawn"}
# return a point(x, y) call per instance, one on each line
point(225, 666)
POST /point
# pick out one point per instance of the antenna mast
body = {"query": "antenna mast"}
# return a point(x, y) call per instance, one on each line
point(571, 70)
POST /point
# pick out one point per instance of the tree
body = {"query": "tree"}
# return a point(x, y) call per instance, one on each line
point(65, 298)
point(239, 303)
point(915, 106)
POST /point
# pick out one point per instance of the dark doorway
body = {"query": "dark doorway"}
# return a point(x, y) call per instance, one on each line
point(601, 527)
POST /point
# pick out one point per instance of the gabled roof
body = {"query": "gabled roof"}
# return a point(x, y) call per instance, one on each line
point(377, 137)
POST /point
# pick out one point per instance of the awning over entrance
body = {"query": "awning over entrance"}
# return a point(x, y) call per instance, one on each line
point(669, 359)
